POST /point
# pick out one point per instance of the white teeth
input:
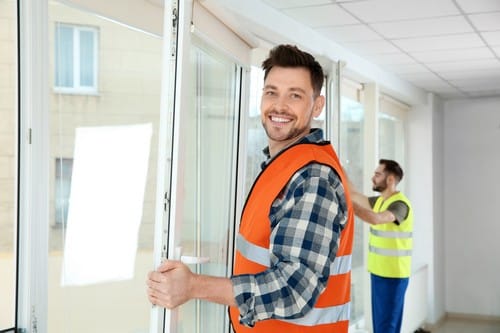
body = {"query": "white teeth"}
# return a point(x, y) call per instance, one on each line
point(280, 120)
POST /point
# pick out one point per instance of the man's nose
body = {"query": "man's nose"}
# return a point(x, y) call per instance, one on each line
point(281, 103)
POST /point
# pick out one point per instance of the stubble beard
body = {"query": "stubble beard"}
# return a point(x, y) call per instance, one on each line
point(293, 133)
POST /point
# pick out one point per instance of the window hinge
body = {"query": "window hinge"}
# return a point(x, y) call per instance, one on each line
point(34, 322)
point(166, 201)
point(175, 22)
point(29, 136)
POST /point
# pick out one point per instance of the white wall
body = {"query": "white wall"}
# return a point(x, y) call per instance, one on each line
point(437, 289)
point(423, 172)
point(472, 196)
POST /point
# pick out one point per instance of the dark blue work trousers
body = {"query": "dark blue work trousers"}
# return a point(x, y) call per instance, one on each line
point(388, 298)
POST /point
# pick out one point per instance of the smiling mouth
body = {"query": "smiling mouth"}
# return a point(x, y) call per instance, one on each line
point(279, 120)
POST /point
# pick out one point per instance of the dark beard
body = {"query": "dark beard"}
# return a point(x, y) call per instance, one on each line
point(380, 187)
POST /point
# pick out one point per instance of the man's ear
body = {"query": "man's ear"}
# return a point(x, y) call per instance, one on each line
point(319, 103)
point(391, 179)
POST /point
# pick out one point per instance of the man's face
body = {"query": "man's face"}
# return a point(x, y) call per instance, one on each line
point(288, 105)
point(379, 179)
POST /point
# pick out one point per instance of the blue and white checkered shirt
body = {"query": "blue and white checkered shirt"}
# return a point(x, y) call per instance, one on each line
point(306, 221)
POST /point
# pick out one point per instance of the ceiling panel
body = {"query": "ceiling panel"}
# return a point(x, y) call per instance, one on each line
point(350, 33)
point(453, 65)
point(372, 47)
point(486, 21)
point(478, 84)
point(492, 37)
point(281, 4)
point(396, 10)
point(447, 42)
point(321, 16)
point(406, 68)
point(423, 27)
point(496, 49)
point(392, 58)
point(447, 55)
point(472, 75)
point(479, 6)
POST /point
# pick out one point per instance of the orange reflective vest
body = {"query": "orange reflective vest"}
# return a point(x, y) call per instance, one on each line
point(332, 309)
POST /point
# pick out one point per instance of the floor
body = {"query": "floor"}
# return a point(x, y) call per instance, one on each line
point(464, 325)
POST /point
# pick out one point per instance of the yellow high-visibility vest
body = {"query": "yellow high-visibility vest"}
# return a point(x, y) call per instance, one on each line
point(390, 245)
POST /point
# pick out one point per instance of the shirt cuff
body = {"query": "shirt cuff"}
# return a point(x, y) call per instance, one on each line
point(245, 300)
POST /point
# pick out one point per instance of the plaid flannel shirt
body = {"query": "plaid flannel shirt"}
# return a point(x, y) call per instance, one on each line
point(306, 221)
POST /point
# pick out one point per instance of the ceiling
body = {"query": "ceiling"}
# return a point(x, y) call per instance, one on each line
point(449, 47)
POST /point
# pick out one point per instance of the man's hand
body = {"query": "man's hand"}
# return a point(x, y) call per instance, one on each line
point(170, 285)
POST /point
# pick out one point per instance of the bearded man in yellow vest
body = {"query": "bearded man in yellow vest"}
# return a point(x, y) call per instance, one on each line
point(292, 269)
point(390, 245)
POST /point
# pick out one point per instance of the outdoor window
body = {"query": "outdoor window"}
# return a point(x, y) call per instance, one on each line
point(351, 154)
point(75, 59)
point(391, 122)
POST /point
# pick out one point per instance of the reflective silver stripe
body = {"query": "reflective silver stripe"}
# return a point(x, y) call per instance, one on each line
point(260, 255)
point(341, 265)
point(253, 252)
point(390, 252)
point(391, 234)
point(319, 316)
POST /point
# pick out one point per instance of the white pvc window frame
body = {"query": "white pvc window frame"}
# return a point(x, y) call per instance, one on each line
point(33, 166)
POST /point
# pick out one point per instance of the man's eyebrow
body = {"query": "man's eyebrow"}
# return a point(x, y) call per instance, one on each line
point(270, 86)
point(298, 89)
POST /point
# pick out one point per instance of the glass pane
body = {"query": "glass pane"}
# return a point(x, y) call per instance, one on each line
point(87, 58)
point(63, 56)
point(391, 137)
point(8, 162)
point(64, 169)
point(130, 77)
point(256, 136)
point(207, 183)
point(352, 159)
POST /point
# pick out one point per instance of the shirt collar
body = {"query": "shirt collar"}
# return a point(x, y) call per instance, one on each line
point(314, 136)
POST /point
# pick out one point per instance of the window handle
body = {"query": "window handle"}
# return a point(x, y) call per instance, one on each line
point(194, 260)
point(189, 260)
